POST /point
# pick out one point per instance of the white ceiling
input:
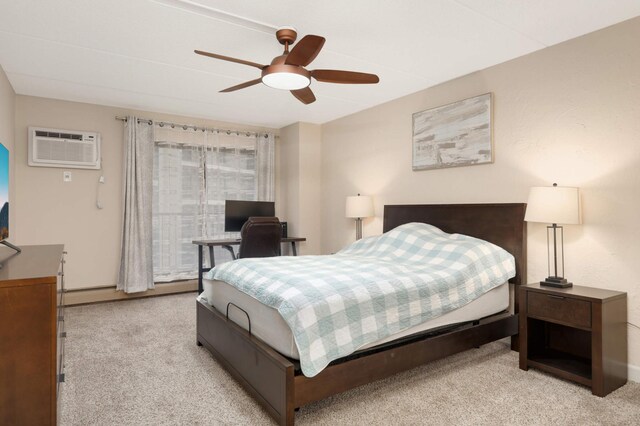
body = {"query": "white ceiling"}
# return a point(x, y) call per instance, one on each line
point(139, 53)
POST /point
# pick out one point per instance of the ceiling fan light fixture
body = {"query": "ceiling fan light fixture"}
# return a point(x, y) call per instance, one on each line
point(286, 77)
point(286, 81)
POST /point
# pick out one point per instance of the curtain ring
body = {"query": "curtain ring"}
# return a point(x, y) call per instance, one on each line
point(150, 122)
point(228, 132)
point(161, 124)
point(173, 126)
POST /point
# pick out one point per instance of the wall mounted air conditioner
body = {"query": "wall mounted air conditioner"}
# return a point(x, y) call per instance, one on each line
point(64, 148)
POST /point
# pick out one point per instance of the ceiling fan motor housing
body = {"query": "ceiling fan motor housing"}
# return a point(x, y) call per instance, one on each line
point(286, 35)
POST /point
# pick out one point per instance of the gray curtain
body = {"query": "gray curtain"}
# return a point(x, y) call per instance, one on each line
point(265, 166)
point(136, 260)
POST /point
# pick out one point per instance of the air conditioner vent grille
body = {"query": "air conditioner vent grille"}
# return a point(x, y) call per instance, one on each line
point(61, 150)
point(45, 134)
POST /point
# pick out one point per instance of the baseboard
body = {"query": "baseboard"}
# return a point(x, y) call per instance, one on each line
point(109, 294)
point(634, 373)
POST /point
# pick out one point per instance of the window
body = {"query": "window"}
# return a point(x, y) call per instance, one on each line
point(190, 185)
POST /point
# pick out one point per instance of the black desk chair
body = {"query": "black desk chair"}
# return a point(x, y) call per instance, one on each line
point(260, 237)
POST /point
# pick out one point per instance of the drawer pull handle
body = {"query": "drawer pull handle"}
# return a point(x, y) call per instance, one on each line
point(553, 296)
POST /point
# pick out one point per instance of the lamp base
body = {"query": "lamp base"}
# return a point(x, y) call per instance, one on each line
point(556, 282)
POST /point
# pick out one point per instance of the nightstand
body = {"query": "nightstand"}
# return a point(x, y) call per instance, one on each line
point(577, 333)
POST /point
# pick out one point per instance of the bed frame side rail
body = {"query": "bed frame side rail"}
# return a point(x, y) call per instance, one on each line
point(359, 371)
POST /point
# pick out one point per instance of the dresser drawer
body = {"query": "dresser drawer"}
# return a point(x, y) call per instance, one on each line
point(562, 309)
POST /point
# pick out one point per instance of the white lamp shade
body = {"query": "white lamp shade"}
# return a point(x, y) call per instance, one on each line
point(359, 206)
point(553, 204)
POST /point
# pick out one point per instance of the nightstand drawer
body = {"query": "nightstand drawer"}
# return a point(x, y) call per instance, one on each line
point(565, 310)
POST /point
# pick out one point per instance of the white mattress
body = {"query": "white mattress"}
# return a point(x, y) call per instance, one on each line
point(268, 325)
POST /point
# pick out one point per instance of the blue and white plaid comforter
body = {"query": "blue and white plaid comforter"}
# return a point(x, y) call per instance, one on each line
point(375, 287)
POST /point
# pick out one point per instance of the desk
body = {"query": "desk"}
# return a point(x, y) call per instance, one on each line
point(228, 245)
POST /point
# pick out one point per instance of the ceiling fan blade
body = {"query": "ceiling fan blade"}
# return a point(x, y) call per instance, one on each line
point(305, 50)
point(305, 95)
point(344, 77)
point(230, 59)
point(242, 85)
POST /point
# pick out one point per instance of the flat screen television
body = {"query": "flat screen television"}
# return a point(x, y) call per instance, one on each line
point(4, 198)
point(4, 192)
point(237, 212)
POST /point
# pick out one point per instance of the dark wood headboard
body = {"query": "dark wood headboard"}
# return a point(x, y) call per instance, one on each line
point(500, 224)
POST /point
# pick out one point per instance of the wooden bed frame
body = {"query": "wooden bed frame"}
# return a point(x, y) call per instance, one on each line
point(279, 386)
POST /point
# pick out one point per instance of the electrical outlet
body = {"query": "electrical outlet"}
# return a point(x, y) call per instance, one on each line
point(66, 176)
point(101, 180)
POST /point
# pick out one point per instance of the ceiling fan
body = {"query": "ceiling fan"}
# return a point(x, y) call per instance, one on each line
point(288, 71)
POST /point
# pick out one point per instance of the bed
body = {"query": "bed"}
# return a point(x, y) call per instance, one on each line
point(276, 380)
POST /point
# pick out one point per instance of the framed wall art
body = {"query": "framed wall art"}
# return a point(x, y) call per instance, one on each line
point(454, 135)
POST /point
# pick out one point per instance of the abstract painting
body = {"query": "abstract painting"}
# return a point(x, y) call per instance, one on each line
point(453, 135)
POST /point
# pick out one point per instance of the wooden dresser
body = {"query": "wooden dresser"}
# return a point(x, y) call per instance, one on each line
point(31, 334)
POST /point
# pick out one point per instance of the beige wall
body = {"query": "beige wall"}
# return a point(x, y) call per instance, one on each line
point(7, 107)
point(47, 210)
point(568, 114)
point(311, 187)
point(7, 118)
point(301, 150)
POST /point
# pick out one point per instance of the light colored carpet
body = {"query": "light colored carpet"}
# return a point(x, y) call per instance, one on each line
point(137, 363)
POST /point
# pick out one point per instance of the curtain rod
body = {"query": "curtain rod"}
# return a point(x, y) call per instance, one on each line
point(194, 127)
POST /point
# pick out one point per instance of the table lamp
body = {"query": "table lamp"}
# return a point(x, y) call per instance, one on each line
point(555, 205)
point(359, 206)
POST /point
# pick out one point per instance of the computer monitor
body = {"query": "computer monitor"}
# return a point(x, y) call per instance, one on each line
point(237, 212)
